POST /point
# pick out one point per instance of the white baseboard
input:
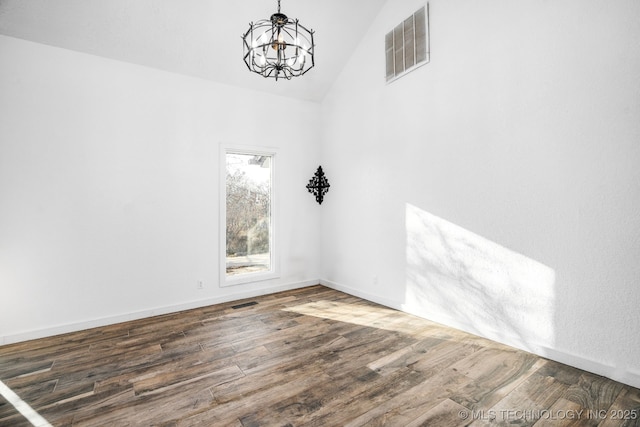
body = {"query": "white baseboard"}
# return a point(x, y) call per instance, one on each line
point(360, 294)
point(111, 320)
point(622, 375)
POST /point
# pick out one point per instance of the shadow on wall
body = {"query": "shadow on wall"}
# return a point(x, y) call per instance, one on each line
point(463, 280)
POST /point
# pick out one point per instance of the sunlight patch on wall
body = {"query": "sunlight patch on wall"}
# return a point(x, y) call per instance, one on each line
point(458, 278)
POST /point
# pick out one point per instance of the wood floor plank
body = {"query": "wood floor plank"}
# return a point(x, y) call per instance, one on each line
point(593, 391)
point(406, 407)
point(625, 410)
point(295, 408)
point(255, 398)
point(445, 414)
point(362, 396)
point(151, 409)
point(306, 357)
point(495, 374)
point(404, 356)
point(564, 413)
point(180, 376)
point(528, 403)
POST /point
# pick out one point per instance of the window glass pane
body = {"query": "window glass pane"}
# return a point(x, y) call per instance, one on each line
point(248, 213)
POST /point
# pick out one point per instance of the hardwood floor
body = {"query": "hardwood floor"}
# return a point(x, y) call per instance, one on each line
point(308, 357)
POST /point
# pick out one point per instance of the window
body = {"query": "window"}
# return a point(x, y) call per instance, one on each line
point(247, 217)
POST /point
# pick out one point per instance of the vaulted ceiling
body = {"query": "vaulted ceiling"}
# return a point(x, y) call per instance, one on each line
point(200, 38)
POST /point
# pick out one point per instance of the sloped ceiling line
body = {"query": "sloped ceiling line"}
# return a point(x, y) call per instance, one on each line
point(199, 38)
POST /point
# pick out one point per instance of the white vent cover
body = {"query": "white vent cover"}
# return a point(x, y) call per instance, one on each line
point(407, 46)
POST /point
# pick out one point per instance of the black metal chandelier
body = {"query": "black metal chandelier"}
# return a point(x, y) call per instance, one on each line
point(278, 47)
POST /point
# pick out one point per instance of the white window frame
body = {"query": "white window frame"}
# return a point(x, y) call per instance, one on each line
point(274, 272)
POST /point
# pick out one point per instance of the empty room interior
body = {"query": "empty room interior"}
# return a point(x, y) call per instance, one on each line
point(305, 213)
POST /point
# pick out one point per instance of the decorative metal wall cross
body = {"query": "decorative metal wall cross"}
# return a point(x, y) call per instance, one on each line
point(318, 185)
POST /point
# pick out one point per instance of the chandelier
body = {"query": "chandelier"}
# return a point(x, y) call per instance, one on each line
point(278, 47)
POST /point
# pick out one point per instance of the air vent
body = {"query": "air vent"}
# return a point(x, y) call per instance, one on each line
point(407, 46)
point(246, 304)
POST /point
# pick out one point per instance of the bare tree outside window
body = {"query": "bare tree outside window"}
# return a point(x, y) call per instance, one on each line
point(248, 213)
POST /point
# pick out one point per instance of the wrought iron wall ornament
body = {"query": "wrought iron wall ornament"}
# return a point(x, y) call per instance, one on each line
point(318, 185)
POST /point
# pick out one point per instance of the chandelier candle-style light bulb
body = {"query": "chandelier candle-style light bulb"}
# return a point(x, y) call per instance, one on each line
point(278, 47)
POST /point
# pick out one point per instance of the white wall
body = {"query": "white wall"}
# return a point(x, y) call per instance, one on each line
point(109, 188)
point(496, 189)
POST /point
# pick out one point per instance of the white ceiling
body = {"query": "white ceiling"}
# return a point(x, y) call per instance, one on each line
point(200, 38)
